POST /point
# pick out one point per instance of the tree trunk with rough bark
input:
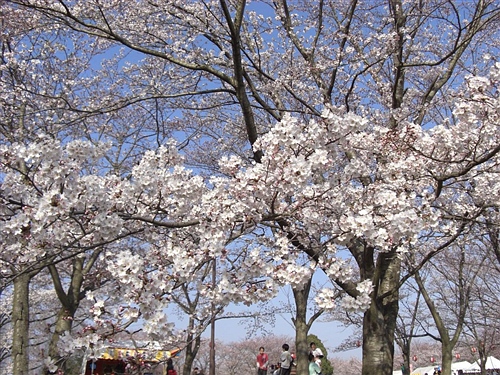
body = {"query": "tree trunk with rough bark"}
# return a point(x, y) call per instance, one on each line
point(301, 327)
point(379, 322)
point(20, 322)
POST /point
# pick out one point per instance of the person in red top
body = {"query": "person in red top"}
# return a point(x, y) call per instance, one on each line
point(262, 360)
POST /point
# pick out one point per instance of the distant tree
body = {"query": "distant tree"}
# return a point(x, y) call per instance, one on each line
point(346, 366)
point(426, 352)
point(446, 289)
point(190, 302)
point(240, 357)
point(408, 326)
point(481, 335)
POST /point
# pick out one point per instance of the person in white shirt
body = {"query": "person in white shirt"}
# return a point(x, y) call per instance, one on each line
point(285, 360)
point(317, 353)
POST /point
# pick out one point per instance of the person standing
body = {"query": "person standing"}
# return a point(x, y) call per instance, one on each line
point(317, 353)
point(314, 369)
point(285, 360)
point(262, 361)
point(170, 367)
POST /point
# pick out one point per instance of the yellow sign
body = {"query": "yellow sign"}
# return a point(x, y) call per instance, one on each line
point(120, 353)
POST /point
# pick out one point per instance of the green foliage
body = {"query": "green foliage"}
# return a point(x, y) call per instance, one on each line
point(326, 366)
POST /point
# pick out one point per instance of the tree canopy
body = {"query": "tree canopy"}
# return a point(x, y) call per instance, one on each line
point(271, 138)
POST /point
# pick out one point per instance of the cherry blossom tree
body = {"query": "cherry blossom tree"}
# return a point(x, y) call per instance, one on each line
point(342, 136)
point(189, 299)
point(35, 86)
point(348, 366)
point(42, 222)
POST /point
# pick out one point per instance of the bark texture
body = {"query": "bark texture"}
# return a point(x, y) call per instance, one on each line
point(20, 321)
point(379, 322)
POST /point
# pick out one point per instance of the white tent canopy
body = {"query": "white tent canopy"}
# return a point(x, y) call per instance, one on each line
point(463, 365)
point(455, 367)
point(491, 364)
point(429, 370)
point(474, 367)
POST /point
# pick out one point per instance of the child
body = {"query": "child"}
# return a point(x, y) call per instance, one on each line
point(285, 360)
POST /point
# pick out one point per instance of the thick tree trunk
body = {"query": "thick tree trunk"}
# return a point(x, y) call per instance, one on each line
point(379, 322)
point(446, 358)
point(301, 327)
point(378, 343)
point(20, 322)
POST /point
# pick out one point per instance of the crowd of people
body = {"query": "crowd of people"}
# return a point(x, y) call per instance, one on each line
point(284, 366)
